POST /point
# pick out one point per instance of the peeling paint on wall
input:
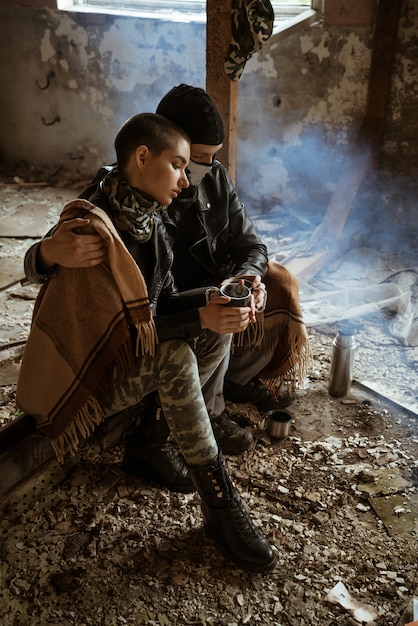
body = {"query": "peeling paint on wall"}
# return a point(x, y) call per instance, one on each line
point(46, 49)
point(88, 79)
point(321, 51)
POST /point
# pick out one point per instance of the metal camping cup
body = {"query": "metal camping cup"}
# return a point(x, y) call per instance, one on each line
point(278, 424)
point(239, 291)
point(240, 294)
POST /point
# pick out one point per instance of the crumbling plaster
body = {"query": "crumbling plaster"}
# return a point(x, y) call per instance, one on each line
point(80, 81)
point(69, 80)
point(312, 110)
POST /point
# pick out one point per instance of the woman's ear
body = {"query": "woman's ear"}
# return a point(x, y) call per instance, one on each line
point(141, 155)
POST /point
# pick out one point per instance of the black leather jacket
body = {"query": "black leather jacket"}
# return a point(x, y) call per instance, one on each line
point(212, 236)
point(175, 314)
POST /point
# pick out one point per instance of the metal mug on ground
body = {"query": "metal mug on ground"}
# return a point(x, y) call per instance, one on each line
point(278, 424)
point(239, 293)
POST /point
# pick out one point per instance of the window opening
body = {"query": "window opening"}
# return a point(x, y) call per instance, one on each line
point(285, 11)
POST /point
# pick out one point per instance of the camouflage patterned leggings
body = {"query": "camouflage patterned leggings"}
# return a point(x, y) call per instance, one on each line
point(178, 370)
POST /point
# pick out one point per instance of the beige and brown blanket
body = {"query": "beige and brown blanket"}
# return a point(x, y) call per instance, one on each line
point(80, 344)
point(281, 324)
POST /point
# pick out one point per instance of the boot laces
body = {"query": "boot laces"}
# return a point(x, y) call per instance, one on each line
point(244, 525)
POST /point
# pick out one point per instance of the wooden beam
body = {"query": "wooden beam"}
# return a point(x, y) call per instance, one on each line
point(222, 89)
point(25, 453)
point(386, 30)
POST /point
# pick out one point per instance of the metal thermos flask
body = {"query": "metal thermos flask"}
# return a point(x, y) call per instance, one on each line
point(342, 361)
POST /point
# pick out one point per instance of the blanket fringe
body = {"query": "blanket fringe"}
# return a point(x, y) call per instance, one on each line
point(252, 336)
point(146, 338)
point(296, 363)
point(81, 427)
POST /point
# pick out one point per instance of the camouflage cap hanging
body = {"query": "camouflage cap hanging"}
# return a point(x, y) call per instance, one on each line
point(252, 25)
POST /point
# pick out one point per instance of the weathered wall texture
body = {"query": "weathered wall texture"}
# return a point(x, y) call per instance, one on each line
point(69, 81)
point(314, 87)
point(401, 145)
point(68, 85)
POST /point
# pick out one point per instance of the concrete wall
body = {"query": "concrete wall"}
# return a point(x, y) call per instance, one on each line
point(70, 80)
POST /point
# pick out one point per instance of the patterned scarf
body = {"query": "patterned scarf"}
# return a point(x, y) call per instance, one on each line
point(131, 208)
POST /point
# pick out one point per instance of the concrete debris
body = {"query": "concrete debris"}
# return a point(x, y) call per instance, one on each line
point(338, 499)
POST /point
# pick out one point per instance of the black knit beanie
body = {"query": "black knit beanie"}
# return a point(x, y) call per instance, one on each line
point(193, 110)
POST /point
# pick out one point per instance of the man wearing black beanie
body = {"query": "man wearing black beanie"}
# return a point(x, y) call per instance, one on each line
point(192, 108)
point(214, 241)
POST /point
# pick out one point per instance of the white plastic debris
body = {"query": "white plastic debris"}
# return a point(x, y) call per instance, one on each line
point(363, 613)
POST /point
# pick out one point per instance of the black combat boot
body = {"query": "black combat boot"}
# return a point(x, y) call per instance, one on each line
point(231, 438)
point(227, 520)
point(150, 455)
point(257, 393)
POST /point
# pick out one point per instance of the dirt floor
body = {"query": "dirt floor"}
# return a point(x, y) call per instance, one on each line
point(338, 499)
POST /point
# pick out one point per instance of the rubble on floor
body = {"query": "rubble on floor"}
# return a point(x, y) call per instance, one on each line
point(338, 500)
point(90, 545)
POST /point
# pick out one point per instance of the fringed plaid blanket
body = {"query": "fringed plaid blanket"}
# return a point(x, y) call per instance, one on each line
point(80, 343)
point(281, 324)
